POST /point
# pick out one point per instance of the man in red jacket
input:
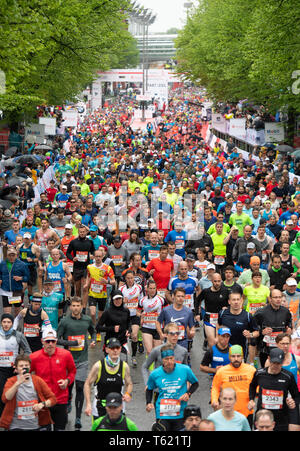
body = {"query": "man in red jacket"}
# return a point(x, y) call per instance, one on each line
point(57, 368)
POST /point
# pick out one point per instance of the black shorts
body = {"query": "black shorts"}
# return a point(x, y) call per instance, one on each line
point(59, 415)
point(79, 274)
point(33, 275)
point(153, 332)
point(101, 302)
point(135, 320)
point(7, 304)
point(294, 417)
point(162, 425)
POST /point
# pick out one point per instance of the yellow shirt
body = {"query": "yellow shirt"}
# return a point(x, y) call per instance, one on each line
point(99, 289)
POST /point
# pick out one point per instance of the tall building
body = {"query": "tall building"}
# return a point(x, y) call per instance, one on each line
point(160, 47)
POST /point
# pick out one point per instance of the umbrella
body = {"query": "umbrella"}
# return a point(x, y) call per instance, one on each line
point(10, 162)
point(269, 145)
point(11, 152)
point(296, 154)
point(284, 148)
point(43, 147)
point(13, 181)
point(27, 159)
point(4, 203)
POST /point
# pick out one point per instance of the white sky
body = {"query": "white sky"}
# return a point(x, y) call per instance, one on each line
point(170, 13)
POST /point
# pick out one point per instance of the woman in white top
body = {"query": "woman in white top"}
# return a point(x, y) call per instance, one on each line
point(151, 306)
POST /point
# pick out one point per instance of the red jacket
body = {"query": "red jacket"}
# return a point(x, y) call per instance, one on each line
point(53, 368)
point(44, 394)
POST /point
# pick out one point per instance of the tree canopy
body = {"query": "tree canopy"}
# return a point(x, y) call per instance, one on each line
point(50, 51)
point(243, 50)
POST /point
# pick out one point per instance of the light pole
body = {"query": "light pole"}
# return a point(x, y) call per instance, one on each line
point(144, 17)
point(188, 6)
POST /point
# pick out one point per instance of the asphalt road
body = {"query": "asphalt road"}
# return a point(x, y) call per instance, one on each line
point(135, 410)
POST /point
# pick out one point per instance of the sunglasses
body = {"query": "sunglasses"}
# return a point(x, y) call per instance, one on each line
point(50, 341)
point(173, 333)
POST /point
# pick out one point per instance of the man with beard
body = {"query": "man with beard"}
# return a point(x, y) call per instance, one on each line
point(238, 375)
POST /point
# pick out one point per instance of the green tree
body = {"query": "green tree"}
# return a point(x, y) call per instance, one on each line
point(50, 51)
point(241, 50)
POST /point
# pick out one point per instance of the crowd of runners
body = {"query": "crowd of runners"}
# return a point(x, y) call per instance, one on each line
point(140, 239)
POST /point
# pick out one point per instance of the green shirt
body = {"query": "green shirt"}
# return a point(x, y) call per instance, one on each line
point(123, 424)
point(240, 221)
point(212, 228)
point(70, 328)
point(219, 247)
point(62, 169)
point(85, 189)
point(255, 297)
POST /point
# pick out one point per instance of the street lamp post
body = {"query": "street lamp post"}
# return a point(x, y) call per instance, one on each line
point(144, 17)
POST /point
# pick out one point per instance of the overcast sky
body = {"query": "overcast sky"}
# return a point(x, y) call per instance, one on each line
point(170, 13)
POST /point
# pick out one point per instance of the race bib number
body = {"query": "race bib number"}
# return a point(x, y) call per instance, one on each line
point(162, 293)
point(57, 286)
point(253, 307)
point(133, 304)
point(213, 319)
point(181, 332)
point(117, 259)
point(270, 340)
point(169, 407)
point(96, 287)
point(80, 340)
point(25, 409)
point(179, 244)
point(150, 319)
point(272, 399)
point(82, 256)
point(6, 359)
point(219, 260)
point(188, 302)
point(14, 300)
point(71, 266)
point(31, 330)
point(153, 254)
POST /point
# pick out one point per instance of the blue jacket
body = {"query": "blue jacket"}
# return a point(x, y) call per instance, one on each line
point(19, 268)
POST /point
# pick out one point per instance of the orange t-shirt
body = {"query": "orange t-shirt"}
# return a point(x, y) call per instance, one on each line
point(237, 378)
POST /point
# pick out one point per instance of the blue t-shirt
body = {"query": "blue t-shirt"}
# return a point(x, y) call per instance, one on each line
point(11, 236)
point(189, 285)
point(238, 423)
point(32, 230)
point(183, 318)
point(171, 386)
point(180, 239)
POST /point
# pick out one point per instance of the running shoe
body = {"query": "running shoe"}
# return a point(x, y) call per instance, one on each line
point(69, 407)
point(134, 361)
point(140, 347)
point(78, 424)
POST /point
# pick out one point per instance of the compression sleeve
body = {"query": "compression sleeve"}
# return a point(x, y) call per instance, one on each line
point(193, 388)
point(149, 395)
